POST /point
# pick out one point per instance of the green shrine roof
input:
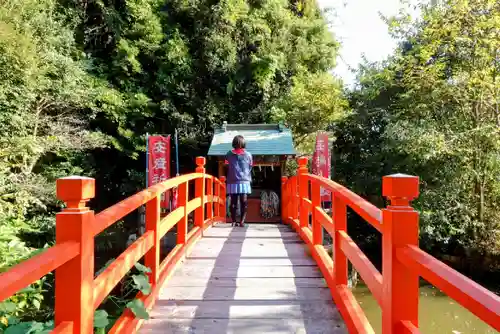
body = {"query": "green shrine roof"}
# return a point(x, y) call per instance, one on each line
point(261, 139)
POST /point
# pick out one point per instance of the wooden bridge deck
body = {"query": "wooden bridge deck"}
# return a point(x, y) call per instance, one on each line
point(256, 279)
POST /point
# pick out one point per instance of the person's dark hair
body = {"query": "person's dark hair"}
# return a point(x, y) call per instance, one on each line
point(239, 142)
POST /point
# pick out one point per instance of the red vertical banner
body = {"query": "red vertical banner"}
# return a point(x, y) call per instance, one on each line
point(159, 163)
point(321, 162)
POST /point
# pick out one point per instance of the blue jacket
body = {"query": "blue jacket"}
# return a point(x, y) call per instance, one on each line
point(240, 167)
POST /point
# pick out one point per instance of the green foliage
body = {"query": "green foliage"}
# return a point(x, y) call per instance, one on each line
point(134, 282)
point(81, 83)
point(432, 110)
point(313, 101)
point(31, 327)
point(43, 89)
point(137, 307)
point(101, 319)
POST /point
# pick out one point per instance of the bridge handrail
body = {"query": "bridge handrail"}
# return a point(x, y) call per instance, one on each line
point(72, 257)
point(362, 207)
point(111, 215)
point(396, 288)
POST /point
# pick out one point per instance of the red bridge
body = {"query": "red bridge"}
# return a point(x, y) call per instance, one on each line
point(222, 279)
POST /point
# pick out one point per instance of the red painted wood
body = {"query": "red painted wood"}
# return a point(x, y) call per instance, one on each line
point(114, 273)
point(63, 328)
point(480, 301)
point(78, 294)
point(152, 256)
point(31, 270)
point(199, 192)
point(183, 223)
point(303, 186)
point(75, 278)
point(396, 289)
point(400, 228)
point(340, 225)
point(370, 275)
point(365, 209)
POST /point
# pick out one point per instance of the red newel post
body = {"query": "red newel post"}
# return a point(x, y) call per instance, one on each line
point(303, 191)
point(75, 279)
point(294, 202)
point(400, 229)
point(210, 203)
point(284, 200)
point(152, 257)
point(340, 224)
point(223, 196)
point(316, 203)
point(182, 226)
point(216, 204)
point(199, 192)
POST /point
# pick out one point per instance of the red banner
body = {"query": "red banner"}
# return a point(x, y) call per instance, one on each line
point(322, 161)
point(159, 163)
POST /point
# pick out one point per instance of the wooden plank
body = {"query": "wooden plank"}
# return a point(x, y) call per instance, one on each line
point(249, 250)
point(242, 326)
point(251, 240)
point(252, 262)
point(264, 271)
point(257, 279)
point(245, 293)
point(237, 282)
point(244, 309)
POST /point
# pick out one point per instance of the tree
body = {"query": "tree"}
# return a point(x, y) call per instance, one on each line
point(436, 116)
point(42, 89)
point(174, 65)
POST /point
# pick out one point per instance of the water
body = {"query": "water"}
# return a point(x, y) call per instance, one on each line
point(438, 313)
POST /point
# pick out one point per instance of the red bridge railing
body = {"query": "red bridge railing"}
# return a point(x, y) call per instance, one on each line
point(77, 292)
point(396, 289)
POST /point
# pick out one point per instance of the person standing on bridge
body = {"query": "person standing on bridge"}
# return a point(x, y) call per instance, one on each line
point(239, 178)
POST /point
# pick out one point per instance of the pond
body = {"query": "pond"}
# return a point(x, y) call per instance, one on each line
point(438, 313)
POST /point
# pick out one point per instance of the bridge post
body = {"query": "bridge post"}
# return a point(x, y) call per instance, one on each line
point(294, 203)
point(224, 198)
point(182, 226)
point(303, 191)
point(339, 213)
point(284, 199)
point(216, 194)
point(74, 280)
point(210, 193)
point(199, 192)
point(400, 229)
point(316, 203)
point(152, 257)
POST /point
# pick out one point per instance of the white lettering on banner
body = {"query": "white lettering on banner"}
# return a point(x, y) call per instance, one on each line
point(158, 178)
point(160, 163)
point(320, 145)
point(159, 147)
point(322, 161)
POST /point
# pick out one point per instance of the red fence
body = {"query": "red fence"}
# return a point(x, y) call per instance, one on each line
point(72, 257)
point(396, 289)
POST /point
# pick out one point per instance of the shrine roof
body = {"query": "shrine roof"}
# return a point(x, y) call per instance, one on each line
point(261, 139)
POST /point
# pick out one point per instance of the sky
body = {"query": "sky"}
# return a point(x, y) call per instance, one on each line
point(360, 30)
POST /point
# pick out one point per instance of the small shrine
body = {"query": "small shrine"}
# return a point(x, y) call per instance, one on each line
point(270, 145)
